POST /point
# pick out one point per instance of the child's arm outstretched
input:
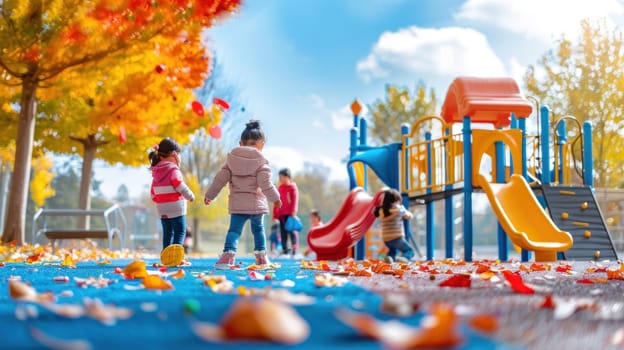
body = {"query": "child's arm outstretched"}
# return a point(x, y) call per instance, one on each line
point(178, 184)
point(221, 179)
point(405, 214)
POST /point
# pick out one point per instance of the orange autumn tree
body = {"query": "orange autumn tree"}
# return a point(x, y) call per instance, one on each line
point(40, 41)
point(117, 109)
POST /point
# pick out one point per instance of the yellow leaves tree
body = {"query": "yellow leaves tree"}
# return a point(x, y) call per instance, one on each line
point(41, 183)
point(585, 78)
point(118, 108)
point(399, 106)
point(39, 41)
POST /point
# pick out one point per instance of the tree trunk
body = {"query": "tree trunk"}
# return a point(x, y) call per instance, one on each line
point(5, 176)
point(196, 234)
point(90, 146)
point(18, 194)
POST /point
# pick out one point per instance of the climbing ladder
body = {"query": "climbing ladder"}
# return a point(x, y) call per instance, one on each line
point(574, 209)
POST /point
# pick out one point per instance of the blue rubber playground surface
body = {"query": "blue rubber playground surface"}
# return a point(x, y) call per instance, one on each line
point(159, 320)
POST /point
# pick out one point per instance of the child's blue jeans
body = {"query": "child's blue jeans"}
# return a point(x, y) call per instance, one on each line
point(174, 230)
point(237, 221)
point(401, 245)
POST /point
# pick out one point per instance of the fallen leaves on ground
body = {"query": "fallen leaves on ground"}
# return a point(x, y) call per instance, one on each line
point(457, 281)
point(516, 283)
point(484, 323)
point(329, 280)
point(155, 282)
point(23, 292)
point(437, 330)
point(136, 269)
point(51, 342)
point(256, 319)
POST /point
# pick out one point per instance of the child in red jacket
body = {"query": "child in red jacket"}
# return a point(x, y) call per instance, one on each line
point(169, 191)
point(289, 195)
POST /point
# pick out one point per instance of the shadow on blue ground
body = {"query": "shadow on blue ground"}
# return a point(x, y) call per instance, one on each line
point(169, 327)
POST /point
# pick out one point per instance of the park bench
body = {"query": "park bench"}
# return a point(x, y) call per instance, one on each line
point(113, 218)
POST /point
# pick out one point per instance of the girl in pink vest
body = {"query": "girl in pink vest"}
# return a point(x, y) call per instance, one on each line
point(249, 176)
point(169, 191)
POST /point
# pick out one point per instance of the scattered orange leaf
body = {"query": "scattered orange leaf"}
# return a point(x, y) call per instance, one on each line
point(135, 269)
point(156, 282)
point(484, 323)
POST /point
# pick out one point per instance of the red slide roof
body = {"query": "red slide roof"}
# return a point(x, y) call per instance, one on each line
point(485, 100)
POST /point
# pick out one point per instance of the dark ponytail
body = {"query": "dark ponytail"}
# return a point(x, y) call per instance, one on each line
point(390, 197)
point(252, 133)
point(163, 150)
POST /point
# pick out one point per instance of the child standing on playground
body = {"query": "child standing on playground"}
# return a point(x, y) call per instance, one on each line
point(169, 191)
point(275, 240)
point(315, 219)
point(289, 195)
point(249, 176)
point(391, 214)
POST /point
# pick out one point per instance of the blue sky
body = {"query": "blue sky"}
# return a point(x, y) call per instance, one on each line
point(299, 64)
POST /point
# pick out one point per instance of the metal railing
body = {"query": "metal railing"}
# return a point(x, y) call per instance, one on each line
point(115, 224)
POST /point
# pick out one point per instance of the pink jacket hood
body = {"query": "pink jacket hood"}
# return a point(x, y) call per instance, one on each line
point(245, 161)
point(162, 171)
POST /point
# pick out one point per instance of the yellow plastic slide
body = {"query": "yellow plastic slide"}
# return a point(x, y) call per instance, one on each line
point(523, 219)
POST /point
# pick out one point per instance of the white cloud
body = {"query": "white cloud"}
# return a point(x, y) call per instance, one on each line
point(538, 19)
point(433, 55)
point(318, 123)
point(286, 157)
point(342, 119)
point(316, 101)
point(516, 69)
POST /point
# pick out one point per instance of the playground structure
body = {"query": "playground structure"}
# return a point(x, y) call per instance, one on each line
point(480, 143)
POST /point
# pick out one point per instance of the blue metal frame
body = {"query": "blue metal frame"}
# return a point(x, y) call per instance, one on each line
point(588, 155)
point(545, 140)
point(562, 138)
point(467, 131)
point(449, 213)
point(430, 209)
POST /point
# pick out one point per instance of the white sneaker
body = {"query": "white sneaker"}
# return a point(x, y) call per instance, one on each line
point(261, 258)
point(226, 260)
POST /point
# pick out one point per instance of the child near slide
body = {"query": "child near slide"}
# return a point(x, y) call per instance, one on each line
point(391, 214)
point(249, 176)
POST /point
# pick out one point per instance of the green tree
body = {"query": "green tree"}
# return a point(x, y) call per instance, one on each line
point(585, 79)
point(399, 106)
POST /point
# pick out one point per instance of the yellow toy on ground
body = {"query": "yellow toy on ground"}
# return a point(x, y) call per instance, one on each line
point(172, 255)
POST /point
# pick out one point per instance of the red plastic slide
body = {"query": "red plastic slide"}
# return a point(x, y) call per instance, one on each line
point(354, 218)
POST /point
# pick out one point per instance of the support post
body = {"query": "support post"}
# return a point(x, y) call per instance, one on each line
point(429, 206)
point(467, 189)
point(545, 143)
point(500, 178)
point(588, 155)
point(561, 140)
point(449, 209)
point(406, 180)
point(525, 255)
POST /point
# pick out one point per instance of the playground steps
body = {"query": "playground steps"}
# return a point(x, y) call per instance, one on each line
point(574, 209)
